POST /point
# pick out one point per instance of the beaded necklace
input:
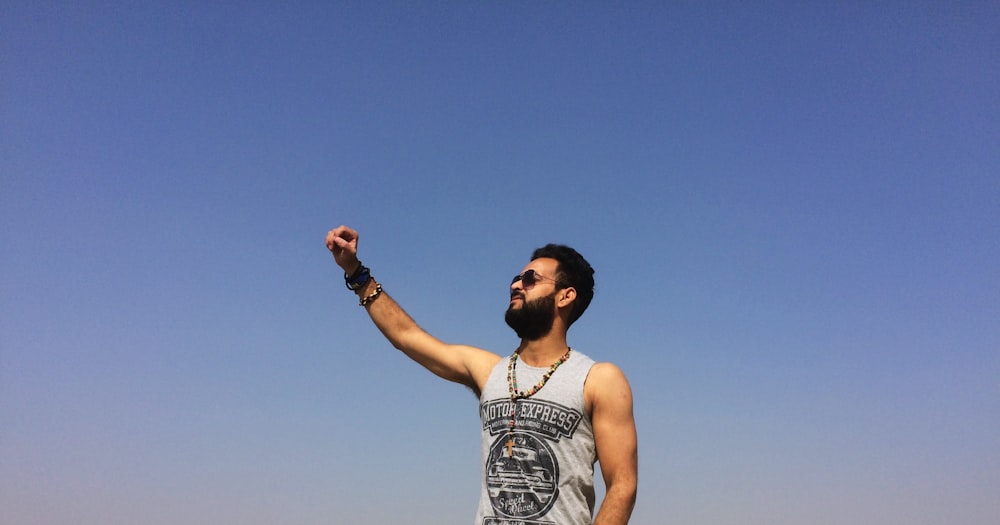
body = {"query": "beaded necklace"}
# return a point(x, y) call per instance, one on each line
point(516, 394)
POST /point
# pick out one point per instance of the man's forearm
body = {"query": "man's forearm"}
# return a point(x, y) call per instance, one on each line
point(388, 316)
point(395, 324)
point(616, 509)
point(445, 361)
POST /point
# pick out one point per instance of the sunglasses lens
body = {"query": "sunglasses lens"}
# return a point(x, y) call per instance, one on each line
point(527, 279)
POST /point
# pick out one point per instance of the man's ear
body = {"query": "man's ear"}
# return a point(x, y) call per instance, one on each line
point(566, 297)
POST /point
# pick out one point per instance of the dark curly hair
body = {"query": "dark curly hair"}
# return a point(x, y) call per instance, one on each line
point(573, 271)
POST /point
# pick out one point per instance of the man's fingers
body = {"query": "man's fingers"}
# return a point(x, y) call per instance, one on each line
point(341, 239)
point(341, 243)
point(332, 241)
point(345, 233)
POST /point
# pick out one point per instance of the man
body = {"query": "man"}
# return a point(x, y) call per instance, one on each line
point(549, 412)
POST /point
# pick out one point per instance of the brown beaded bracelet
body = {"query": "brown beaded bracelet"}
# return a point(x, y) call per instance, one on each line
point(371, 297)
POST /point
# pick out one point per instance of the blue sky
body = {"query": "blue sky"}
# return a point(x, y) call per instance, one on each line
point(792, 210)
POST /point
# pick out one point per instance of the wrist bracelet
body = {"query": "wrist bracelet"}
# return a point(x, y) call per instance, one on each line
point(357, 279)
point(371, 297)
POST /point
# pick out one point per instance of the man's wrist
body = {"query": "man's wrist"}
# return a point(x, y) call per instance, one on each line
point(353, 268)
point(356, 279)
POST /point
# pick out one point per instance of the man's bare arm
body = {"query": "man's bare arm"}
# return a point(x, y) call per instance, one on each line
point(615, 436)
point(462, 364)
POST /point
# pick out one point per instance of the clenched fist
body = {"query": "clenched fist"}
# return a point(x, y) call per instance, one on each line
point(343, 244)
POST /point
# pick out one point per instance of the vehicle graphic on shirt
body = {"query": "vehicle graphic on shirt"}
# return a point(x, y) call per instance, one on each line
point(522, 484)
point(520, 474)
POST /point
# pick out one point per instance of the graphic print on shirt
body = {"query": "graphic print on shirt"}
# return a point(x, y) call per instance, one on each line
point(523, 479)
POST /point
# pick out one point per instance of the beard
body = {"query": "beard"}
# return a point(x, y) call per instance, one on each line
point(534, 319)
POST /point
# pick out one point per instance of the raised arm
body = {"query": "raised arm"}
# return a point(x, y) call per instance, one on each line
point(610, 400)
point(462, 364)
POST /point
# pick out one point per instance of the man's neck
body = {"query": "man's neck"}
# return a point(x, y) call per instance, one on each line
point(542, 352)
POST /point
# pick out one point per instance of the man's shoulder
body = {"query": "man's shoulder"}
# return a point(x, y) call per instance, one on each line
point(607, 386)
point(605, 369)
point(604, 374)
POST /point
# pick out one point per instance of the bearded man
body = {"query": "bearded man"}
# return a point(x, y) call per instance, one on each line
point(548, 412)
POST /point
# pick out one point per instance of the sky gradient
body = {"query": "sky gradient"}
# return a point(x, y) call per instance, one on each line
point(793, 212)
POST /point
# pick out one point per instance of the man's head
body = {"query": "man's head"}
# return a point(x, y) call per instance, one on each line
point(557, 281)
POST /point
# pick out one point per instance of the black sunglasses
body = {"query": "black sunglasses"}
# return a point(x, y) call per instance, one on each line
point(529, 278)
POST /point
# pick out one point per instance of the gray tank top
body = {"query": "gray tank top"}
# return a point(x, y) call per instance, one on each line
point(546, 476)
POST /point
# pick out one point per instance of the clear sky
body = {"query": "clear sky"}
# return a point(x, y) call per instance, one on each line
point(794, 213)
